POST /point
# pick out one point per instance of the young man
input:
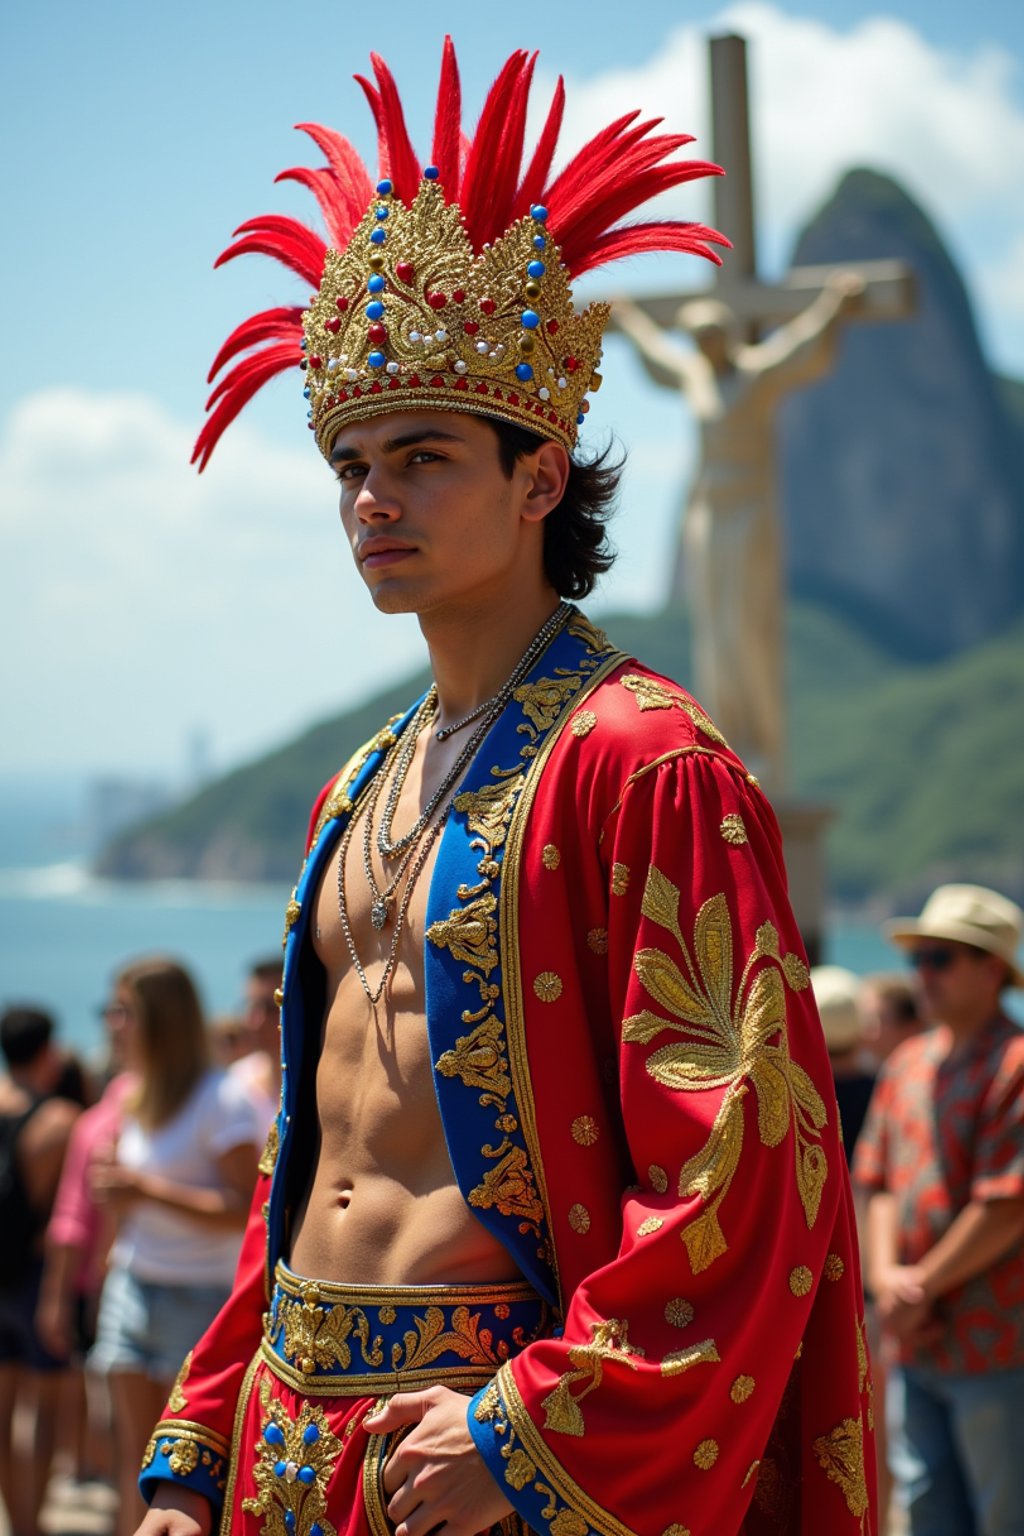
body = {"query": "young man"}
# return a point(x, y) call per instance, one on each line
point(942, 1161)
point(556, 1188)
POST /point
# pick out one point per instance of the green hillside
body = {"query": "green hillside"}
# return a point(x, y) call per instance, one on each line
point(922, 762)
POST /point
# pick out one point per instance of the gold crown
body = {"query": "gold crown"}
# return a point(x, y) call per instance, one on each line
point(407, 314)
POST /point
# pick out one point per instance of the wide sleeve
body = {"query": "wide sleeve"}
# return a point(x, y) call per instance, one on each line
point(663, 1405)
point(190, 1444)
point(998, 1172)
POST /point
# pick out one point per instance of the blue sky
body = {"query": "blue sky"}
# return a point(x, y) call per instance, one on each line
point(146, 604)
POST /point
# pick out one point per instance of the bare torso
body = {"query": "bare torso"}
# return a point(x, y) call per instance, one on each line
point(383, 1207)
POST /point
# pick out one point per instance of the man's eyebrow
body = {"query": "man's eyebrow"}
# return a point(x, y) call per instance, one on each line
point(393, 444)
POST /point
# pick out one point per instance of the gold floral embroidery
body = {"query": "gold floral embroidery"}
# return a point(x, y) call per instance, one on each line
point(583, 723)
point(468, 932)
point(597, 940)
point(658, 1178)
point(488, 811)
point(865, 1386)
point(652, 1224)
point(834, 1267)
point(800, 1280)
point(652, 695)
point(548, 986)
point(595, 640)
point(579, 1218)
point(292, 913)
point(727, 1045)
point(268, 1157)
point(620, 879)
point(550, 856)
point(431, 1340)
point(706, 1455)
point(479, 1059)
point(678, 1312)
point(509, 1186)
point(544, 700)
point(183, 1457)
point(841, 1457)
point(680, 1360)
point(676, 1530)
point(323, 1336)
point(177, 1399)
point(308, 1449)
point(386, 1315)
point(733, 830)
point(751, 1472)
point(585, 1130)
point(742, 1388)
point(562, 1411)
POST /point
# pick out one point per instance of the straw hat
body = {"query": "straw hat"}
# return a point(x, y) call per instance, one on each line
point(966, 914)
point(835, 992)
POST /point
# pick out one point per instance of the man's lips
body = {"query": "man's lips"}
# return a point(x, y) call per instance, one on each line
point(378, 552)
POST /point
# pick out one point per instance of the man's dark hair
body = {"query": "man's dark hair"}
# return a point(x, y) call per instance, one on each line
point(268, 968)
point(576, 546)
point(24, 1032)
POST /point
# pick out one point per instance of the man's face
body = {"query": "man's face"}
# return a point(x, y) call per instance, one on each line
point(955, 982)
point(430, 516)
point(261, 1011)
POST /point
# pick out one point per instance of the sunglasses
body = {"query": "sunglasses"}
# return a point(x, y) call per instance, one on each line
point(938, 959)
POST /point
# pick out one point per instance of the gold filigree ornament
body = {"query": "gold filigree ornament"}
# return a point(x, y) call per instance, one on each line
point(840, 1455)
point(733, 1038)
point(294, 1461)
point(319, 1336)
point(653, 695)
point(177, 1399)
point(609, 1341)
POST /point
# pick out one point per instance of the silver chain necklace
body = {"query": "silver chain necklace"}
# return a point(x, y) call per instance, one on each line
point(389, 846)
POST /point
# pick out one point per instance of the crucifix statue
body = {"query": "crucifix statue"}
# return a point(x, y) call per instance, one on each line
point(730, 561)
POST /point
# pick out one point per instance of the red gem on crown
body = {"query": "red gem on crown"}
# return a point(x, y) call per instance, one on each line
point(403, 271)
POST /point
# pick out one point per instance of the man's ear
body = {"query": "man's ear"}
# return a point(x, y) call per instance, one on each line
point(546, 475)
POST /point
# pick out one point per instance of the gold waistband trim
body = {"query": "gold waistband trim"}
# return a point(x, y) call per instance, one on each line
point(375, 1383)
point(495, 1293)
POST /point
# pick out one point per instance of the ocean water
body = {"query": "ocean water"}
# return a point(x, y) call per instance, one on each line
point(64, 933)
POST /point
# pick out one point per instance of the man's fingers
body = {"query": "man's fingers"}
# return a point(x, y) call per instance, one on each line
point(403, 1408)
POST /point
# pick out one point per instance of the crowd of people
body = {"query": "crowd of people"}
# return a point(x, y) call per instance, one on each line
point(123, 1196)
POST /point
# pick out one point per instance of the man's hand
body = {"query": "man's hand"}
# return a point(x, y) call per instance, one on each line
point(114, 1186)
point(904, 1306)
point(177, 1512)
point(435, 1476)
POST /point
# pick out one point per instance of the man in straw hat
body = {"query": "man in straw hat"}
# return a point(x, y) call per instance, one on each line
point(942, 1159)
point(556, 1188)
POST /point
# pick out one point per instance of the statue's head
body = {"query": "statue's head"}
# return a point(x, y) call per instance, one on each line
point(710, 323)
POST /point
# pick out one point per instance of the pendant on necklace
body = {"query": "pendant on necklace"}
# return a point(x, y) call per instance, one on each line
point(379, 912)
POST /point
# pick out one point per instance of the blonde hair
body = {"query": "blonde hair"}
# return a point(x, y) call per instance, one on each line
point(173, 1044)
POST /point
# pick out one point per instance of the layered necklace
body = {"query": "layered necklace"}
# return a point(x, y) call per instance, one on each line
point(410, 851)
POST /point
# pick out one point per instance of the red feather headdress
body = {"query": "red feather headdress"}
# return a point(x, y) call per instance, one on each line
point(449, 285)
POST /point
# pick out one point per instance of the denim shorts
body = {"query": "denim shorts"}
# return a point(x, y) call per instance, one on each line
point(149, 1328)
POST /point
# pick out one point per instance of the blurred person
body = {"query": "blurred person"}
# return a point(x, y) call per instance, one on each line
point(259, 1069)
point(835, 992)
point(176, 1182)
point(229, 1039)
point(555, 1087)
point(890, 1013)
point(35, 1126)
point(942, 1161)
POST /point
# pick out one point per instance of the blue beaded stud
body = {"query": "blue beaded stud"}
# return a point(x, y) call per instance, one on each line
point(539, 212)
point(289, 1519)
point(384, 187)
point(316, 1529)
point(376, 359)
point(382, 213)
point(374, 310)
point(580, 419)
point(306, 393)
point(375, 283)
point(539, 242)
point(535, 269)
point(310, 1435)
point(378, 236)
point(274, 1434)
point(303, 343)
point(430, 173)
point(279, 1468)
point(307, 1475)
point(524, 371)
point(529, 319)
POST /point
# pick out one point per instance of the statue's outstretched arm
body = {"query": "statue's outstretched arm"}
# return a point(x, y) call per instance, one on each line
point(664, 362)
point(803, 349)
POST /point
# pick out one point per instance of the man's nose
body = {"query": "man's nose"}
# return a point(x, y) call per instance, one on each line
point(376, 500)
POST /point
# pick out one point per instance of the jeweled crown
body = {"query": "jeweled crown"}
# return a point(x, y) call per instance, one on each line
point(450, 286)
point(407, 314)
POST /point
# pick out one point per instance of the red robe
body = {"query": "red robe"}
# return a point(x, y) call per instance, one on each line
point(638, 1102)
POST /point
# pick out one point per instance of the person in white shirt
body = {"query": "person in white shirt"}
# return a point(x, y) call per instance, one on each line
point(177, 1186)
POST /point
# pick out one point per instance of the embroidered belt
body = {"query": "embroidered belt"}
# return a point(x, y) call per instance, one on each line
point(362, 1340)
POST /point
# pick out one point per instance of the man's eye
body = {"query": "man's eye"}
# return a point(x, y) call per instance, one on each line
point(348, 472)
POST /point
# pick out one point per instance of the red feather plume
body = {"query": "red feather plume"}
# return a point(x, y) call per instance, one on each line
point(620, 169)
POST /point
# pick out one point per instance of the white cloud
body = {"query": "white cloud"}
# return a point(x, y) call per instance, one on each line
point(946, 125)
point(142, 600)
